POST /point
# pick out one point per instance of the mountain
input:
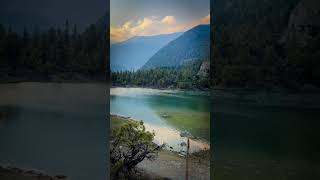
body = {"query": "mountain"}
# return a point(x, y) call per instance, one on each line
point(304, 20)
point(57, 54)
point(193, 44)
point(269, 44)
point(135, 52)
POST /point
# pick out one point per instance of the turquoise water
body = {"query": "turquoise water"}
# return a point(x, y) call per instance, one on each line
point(167, 112)
point(58, 128)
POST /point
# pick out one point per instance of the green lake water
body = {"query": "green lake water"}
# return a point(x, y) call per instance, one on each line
point(58, 128)
point(264, 126)
point(166, 112)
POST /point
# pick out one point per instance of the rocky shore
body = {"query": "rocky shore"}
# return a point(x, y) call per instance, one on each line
point(168, 164)
point(14, 173)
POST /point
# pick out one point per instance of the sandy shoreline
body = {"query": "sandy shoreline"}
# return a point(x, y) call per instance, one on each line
point(171, 137)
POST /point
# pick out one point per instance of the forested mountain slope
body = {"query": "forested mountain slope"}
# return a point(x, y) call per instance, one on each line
point(256, 47)
point(135, 52)
point(55, 54)
point(192, 45)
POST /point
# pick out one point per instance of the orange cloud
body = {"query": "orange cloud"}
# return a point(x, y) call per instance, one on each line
point(170, 20)
point(150, 26)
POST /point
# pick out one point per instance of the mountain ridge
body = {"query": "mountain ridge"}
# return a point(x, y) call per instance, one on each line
point(136, 51)
point(194, 44)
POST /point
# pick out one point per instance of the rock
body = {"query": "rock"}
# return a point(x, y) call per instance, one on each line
point(61, 177)
point(305, 15)
point(183, 144)
point(181, 155)
point(8, 172)
point(304, 20)
point(204, 69)
point(164, 115)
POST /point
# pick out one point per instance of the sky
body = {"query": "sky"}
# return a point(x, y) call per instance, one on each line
point(129, 18)
point(46, 13)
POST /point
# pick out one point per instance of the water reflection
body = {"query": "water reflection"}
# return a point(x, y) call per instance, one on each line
point(167, 113)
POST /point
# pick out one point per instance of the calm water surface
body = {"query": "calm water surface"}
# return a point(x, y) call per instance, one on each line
point(262, 126)
point(59, 128)
point(166, 112)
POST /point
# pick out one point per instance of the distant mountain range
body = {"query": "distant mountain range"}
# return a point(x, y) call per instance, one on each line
point(135, 52)
point(191, 45)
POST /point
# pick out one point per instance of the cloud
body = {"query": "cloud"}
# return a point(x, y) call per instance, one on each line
point(170, 20)
point(150, 26)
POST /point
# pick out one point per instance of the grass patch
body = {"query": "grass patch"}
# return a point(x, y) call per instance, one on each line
point(117, 121)
point(197, 123)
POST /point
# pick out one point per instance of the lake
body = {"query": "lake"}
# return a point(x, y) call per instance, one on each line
point(167, 113)
point(265, 126)
point(59, 128)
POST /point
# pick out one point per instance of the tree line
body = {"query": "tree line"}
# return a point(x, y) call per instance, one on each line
point(253, 48)
point(182, 77)
point(54, 54)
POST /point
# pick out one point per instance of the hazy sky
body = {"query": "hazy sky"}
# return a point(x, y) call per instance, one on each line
point(151, 17)
point(44, 13)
